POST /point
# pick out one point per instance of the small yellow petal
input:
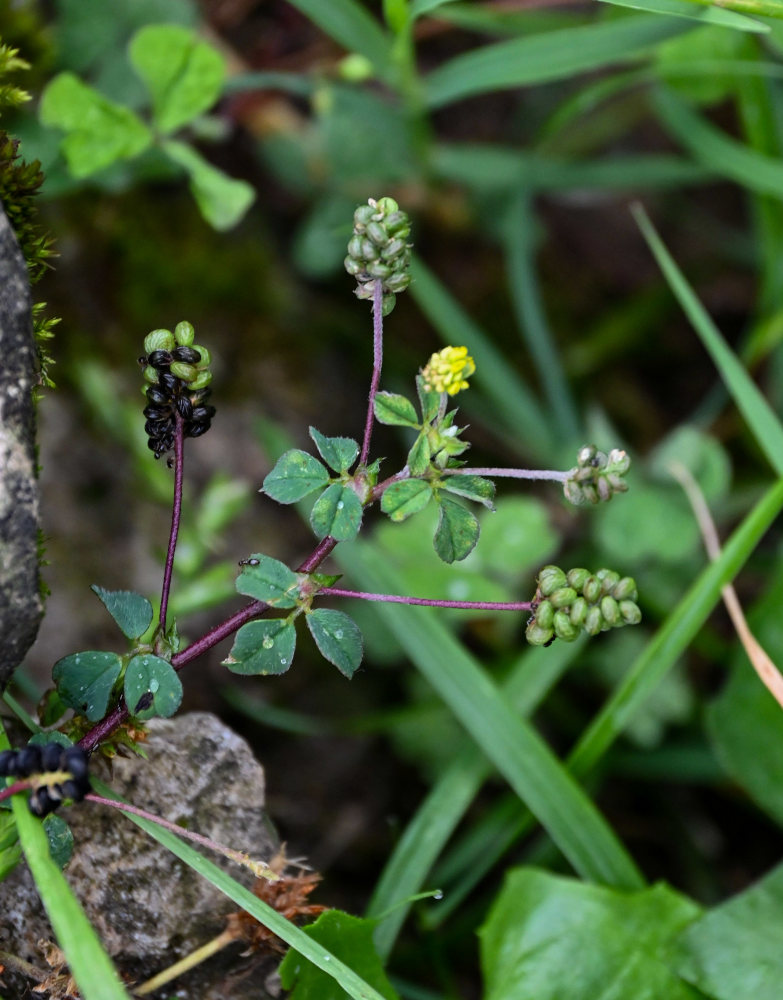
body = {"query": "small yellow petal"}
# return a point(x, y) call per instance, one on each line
point(448, 370)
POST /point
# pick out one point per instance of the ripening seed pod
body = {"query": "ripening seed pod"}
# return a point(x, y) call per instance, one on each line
point(578, 611)
point(594, 621)
point(183, 371)
point(609, 579)
point(184, 333)
point(610, 610)
point(577, 578)
point(592, 589)
point(625, 589)
point(201, 381)
point(159, 340)
point(630, 612)
point(564, 629)
point(545, 614)
point(536, 635)
point(150, 375)
point(550, 579)
point(563, 597)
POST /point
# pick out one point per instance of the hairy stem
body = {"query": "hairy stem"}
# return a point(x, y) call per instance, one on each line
point(377, 363)
point(550, 474)
point(426, 601)
point(176, 513)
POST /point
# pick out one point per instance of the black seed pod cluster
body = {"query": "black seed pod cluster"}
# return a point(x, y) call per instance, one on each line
point(177, 373)
point(567, 604)
point(378, 252)
point(596, 475)
point(35, 760)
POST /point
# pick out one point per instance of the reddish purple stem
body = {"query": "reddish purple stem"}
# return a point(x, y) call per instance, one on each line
point(426, 601)
point(176, 513)
point(377, 362)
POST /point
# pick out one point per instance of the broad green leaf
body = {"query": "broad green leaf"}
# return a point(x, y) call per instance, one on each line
point(132, 612)
point(419, 456)
point(429, 400)
point(294, 476)
point(395, 410)
point(337, 512)
point(346, 936)
point(471, 487)
point(695, 11)
point(457, 531)
point(402, 499)
point(99, 132)
point(183, 73)
point(554, 55)
point(269, 580)
point(339, 453)
point(337, 637)
point(221, 199)
point(10, 848)
point(263, 647)
point(152, 682)
point(518, 536)
point(553, 938)
point(733, 952)
point(60, 838)
point(651, 521)
point(352, 26)
point(85, 681)
point(420, 7)
point(704, 457)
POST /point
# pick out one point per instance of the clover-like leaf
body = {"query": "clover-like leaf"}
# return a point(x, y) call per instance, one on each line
point(338, 638)
point(132, 612)
point(294, 476)
point(402, 499)
point(85, 681)
point(457, 531)
point(471, 487)
point(429, 399)
point(221, 199)
point(269, 580)
point(395, 410)
point(99, 132)
point(151, 687)
point(337, 512)
point(419, 456)
point(263, 647)
point(183, 74)
point(339, 453)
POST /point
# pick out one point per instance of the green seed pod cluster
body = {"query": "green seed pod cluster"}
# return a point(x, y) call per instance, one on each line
point(567, 604)
point(378, 251)
point(596, 476)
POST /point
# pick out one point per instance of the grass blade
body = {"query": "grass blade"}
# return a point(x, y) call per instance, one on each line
point(553, 55)
point(350, 24)
point(512, 744)
point(697, 10)
point(761, 418)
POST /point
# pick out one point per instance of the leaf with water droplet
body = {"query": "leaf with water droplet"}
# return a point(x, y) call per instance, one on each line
point(339, 453)
point(269, 580)
point(338, 638)
point(132, 612)
point(152, 687)
point(296, 473)
point(85, 681)
point(263, 647)
point(337, 512)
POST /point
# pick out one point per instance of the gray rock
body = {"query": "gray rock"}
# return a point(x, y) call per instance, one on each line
point(148, 908)
point(20, 599)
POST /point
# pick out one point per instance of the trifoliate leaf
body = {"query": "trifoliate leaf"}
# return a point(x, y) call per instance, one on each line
point(395, 410)
point(471, 487)
point(402, 499)
point(294, 476)
point(152, 687)
point(132, 612)
point(99, 132)
point(419, 456)
point(269, 580)
point(183, 74)
point(263, 647)
point(457, 531)
point(339, 453)
point(338, 638)
point(337, 512)
point(85, 681)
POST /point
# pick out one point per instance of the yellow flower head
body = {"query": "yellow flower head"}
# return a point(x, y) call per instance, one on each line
point(448, 370)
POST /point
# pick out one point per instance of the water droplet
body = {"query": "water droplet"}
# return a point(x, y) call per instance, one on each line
point(154, 685)
point(283, 661)
point(338, 634)
point(327, 958)
point(340, 505)
point(268, 642)
point(438, 894)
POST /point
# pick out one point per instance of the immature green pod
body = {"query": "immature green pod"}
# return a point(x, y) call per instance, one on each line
point(610, 610)
point(592, 589)
point(578, 611)
point(550, 579)
point(206, 357)
point(594, 620)
point(184, 371)
point(201, 381)
point(563, 597)
point(609, 579)
point(538, 636)
point(630, 612)
point(545, 614)
point(377, 233)
point(184, 333)
point(150, 375)
point(563, 627)
point(577, 578)
point(625, 589)
point(159, 340)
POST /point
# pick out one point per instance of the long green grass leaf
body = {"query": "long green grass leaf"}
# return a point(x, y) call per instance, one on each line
point(353, 984)
point(708, 145)
point(511, 743)
point(514, 403)
point(696, 10)
point(350, 24)
point(90, 966)
point(761, 418)
point(553, 55)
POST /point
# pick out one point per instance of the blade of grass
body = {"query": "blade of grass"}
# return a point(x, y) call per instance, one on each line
point(350, 24)
point(353, 984)
point(511, 743)
point(520, 241)
point(90, 966)
point(553, 55)
point(701, 10)
point(514, 403)
point(761, 418)
point(439, 814)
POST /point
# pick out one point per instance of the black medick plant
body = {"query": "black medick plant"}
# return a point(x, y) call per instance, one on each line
point(113, 694)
